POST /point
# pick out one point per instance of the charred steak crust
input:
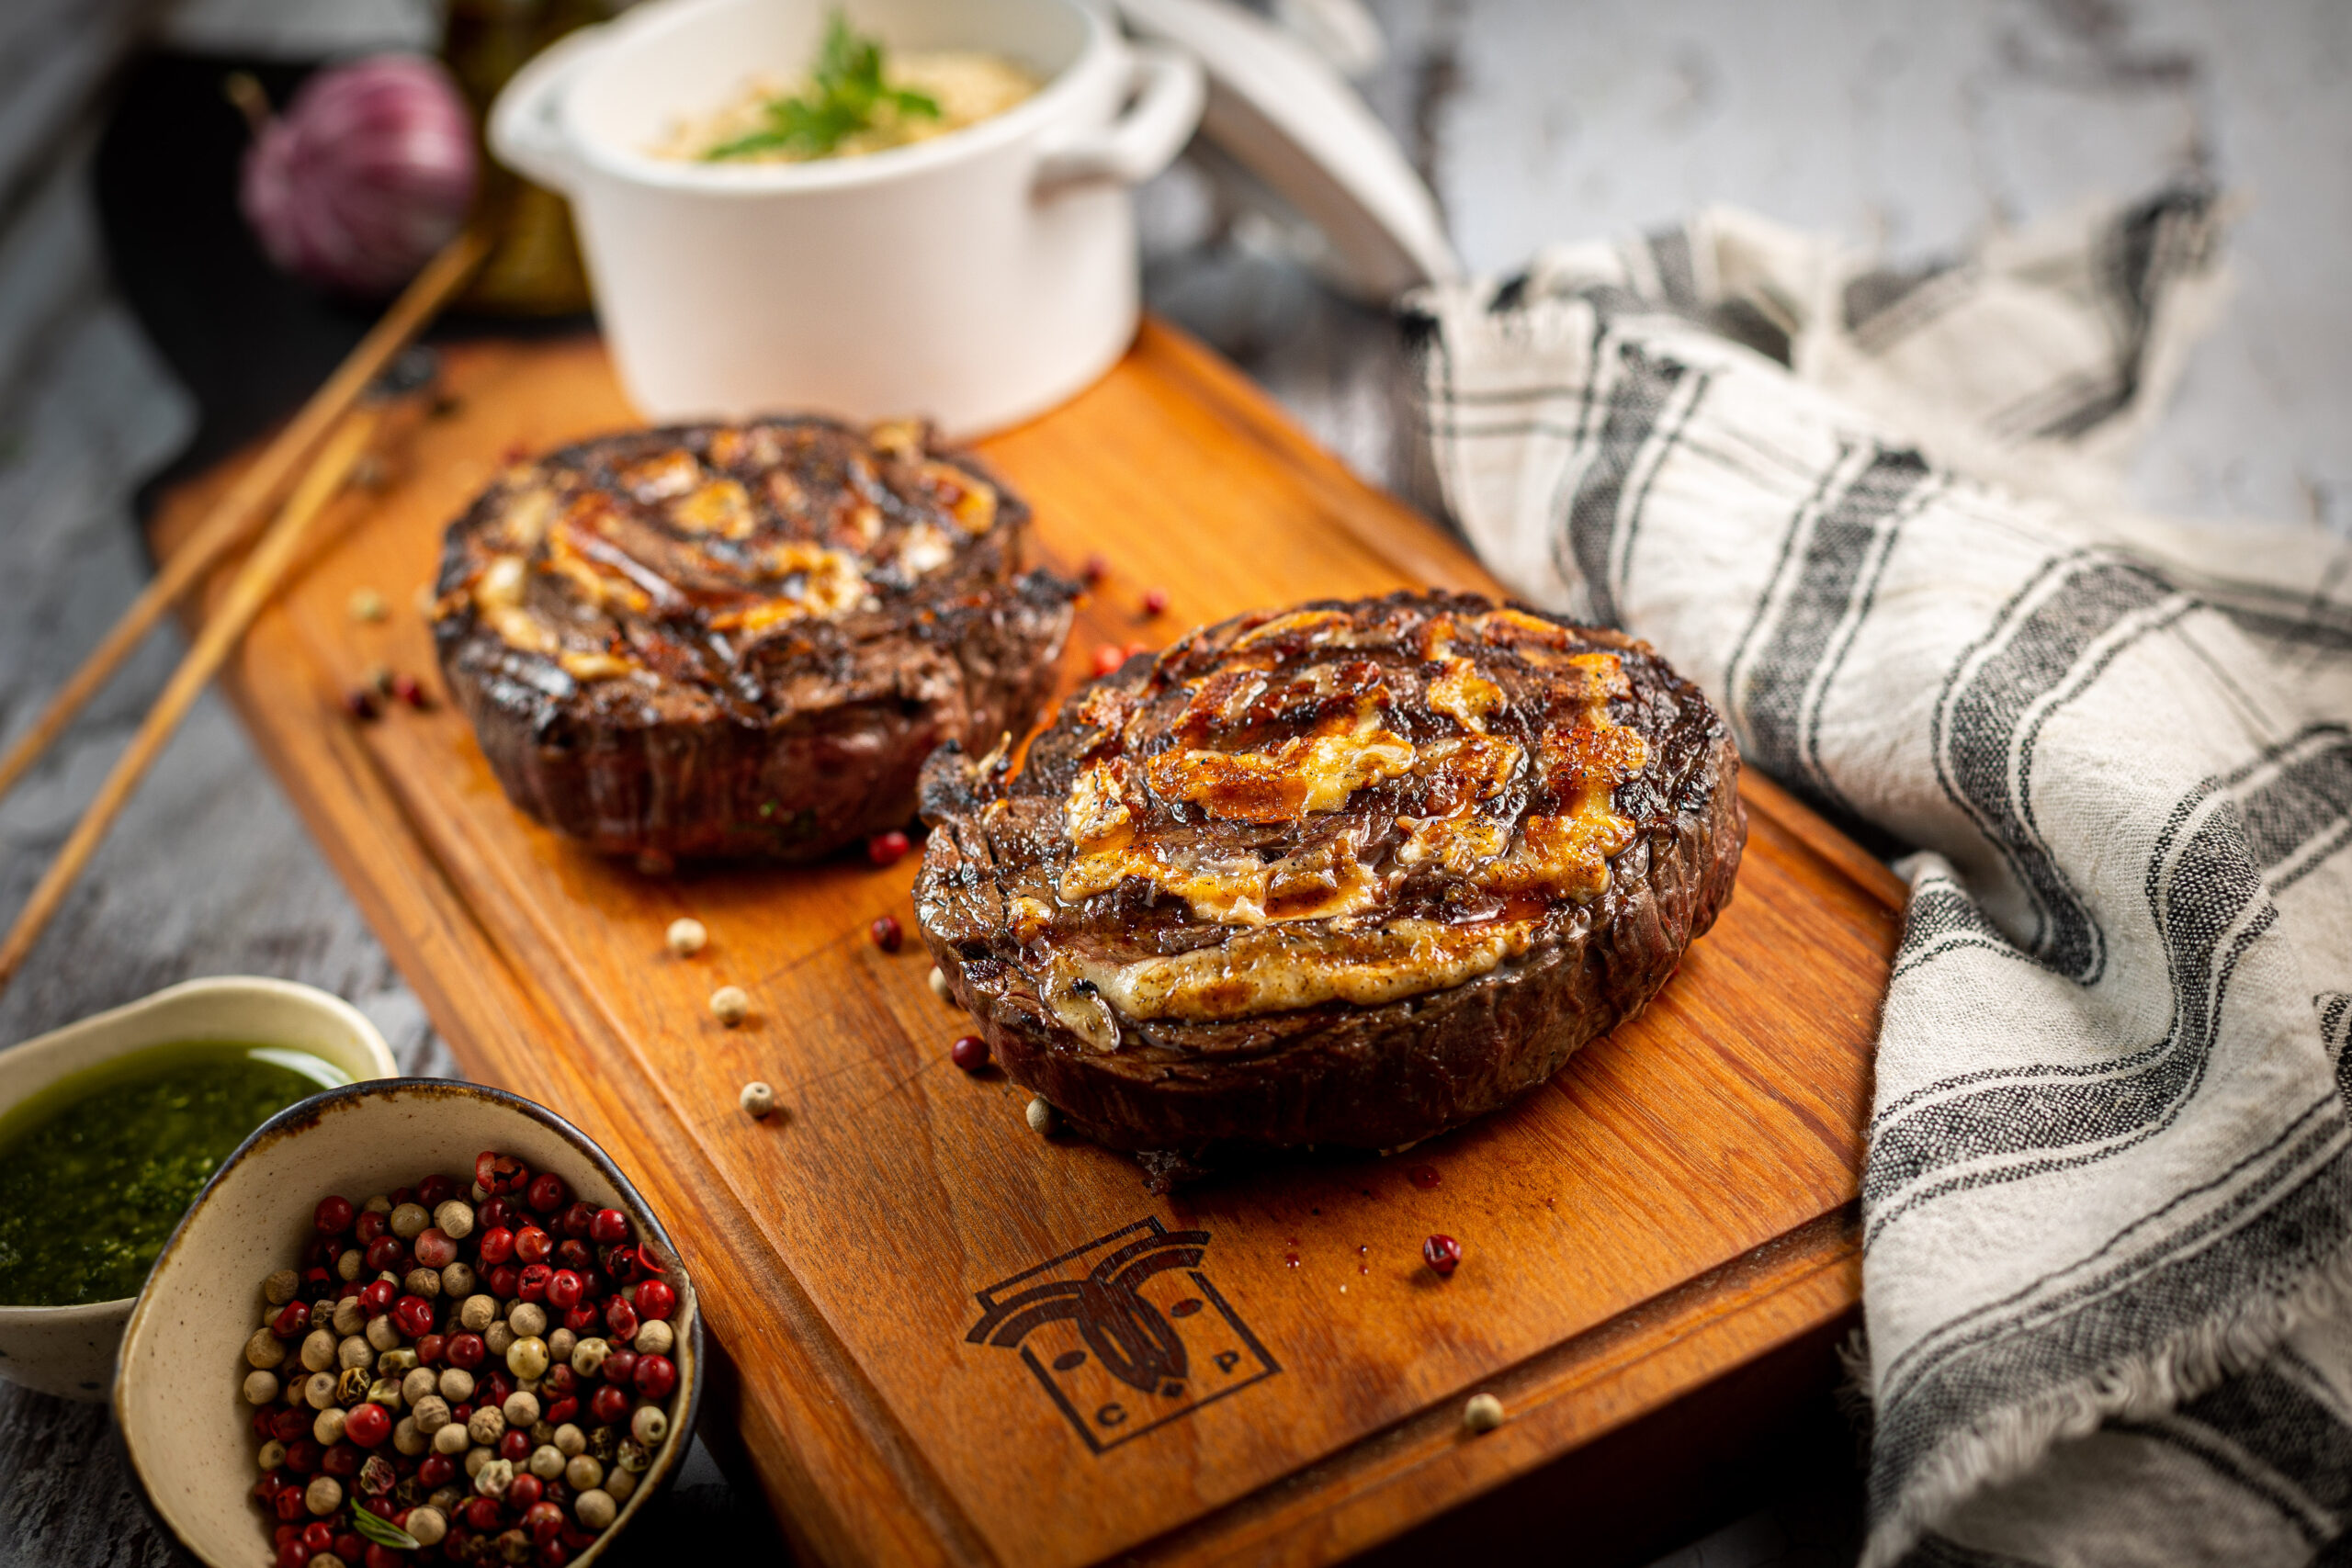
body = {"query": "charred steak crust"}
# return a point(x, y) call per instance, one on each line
point(1351, 874)
point(740, 639)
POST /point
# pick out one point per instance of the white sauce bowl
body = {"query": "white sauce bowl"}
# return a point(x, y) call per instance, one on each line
point(69, 1350)
point(976, 278)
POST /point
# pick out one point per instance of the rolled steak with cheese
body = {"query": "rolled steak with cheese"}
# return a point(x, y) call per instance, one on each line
point(740, 639)
point(1346, 875)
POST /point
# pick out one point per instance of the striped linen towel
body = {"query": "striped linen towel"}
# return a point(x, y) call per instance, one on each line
point(2107, 1202)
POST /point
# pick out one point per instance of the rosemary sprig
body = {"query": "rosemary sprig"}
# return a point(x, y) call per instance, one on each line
point(845, 94)
point(383, 1532)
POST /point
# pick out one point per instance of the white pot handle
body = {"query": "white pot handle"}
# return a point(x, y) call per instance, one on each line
point(1167, 91)
point(526, 129)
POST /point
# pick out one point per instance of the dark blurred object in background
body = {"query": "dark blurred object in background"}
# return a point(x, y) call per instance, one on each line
point(246, 341)
point(534, 269)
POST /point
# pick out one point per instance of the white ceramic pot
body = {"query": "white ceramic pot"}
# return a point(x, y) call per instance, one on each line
point(978, 279)
point(185, 1425)
point(69, 1350)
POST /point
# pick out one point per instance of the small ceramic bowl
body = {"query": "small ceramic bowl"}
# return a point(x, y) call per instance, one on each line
point(69, 1350)
point(177, 1395)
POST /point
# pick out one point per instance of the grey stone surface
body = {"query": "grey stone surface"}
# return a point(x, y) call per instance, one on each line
point(1907, 128)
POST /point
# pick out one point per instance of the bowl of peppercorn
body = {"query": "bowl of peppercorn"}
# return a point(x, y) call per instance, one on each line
point(409, 1322)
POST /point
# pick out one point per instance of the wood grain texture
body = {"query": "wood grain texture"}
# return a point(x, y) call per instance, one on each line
point(1672, 1206)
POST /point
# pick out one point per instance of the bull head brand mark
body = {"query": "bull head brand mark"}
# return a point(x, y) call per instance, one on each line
point(1125, 1333)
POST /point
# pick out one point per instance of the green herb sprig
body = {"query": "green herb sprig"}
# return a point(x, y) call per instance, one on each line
point(845, 94)
point(382, 1532)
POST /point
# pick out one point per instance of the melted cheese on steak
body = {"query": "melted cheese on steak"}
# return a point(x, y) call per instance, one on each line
point(1336, 808)
point(669, 556)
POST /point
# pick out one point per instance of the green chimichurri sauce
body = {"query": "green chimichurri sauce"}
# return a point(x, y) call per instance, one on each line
point(97, 1170)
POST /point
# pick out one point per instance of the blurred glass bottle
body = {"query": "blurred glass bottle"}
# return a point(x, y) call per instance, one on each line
point(534, 267)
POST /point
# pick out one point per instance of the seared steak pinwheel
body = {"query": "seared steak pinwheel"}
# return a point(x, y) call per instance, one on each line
point(1350, 873)
point(740, 639)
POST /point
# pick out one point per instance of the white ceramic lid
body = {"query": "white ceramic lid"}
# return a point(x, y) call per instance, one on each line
point(1282, 113)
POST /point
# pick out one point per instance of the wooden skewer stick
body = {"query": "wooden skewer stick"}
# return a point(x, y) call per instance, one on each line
point(232, 519)
point(252, 589)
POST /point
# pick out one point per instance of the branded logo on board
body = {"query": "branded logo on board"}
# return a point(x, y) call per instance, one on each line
point(1125, 1334)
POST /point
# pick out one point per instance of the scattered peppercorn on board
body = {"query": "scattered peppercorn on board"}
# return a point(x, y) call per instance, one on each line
point(956, 1341)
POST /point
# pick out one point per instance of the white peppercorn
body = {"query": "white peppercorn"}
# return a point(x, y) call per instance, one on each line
point(686, 937)
point(272, 1455)
point(383, 1333)
point(595, 1508)
point(328, 1428)
point(527, 1357)
point(655, 1337)
point(264, 1349)
point(758, 1099)
point(560, 1343)
point(478, 1313)
point(325, 1495)
point(378, 1204)
point(318, 1350)
point(349, 1319)
point(457, 1279)
point(1484, 1412)
point(527, 1319)
point(449, 1440)
point(619, 1484)
point(355, 1351)
point(476, 1456)
point(426, 1282)
point(350, 1266)
point(456, 1385)
point(649, 1426)
point(730, 1005)
point(570, 1439)
point(293, 1390)
point(547, 1461)
point(588, 1356)
point(261, 1386)
point(409, 1220)
point(1041, 1116)
point(493, 1479)
point(521, 1409)
point(455, 1219)
point(425, 1524)
point(420, 1384)
point(409, 1438)
point(432, 1411)
point(318, 1390)
point(582, 1471)
point(938, 986)
point(487, 1424)
point(281, 1287)
point(499, 1338)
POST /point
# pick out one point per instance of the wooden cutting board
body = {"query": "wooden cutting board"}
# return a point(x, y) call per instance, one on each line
point(1659, 1243)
